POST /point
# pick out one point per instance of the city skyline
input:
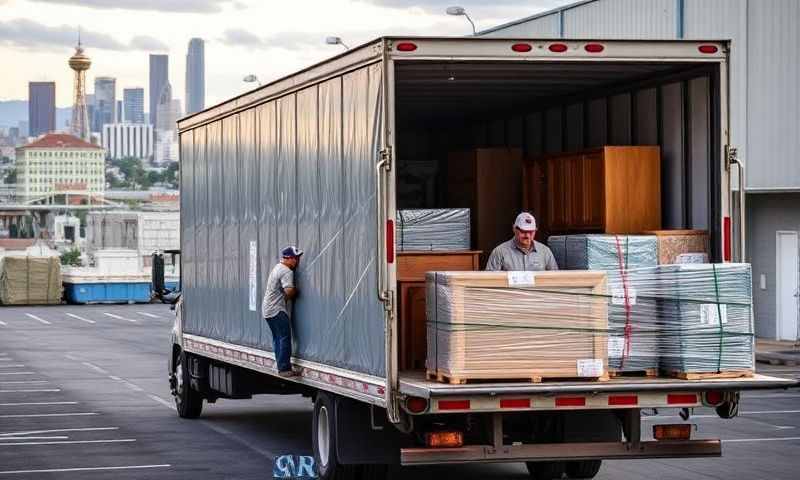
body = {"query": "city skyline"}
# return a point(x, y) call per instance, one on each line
point(159, 77)
point(240, 37)
point(41, 107)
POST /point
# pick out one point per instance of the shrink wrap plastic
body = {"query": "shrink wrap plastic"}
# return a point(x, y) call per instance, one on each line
point(681, 318)
point(433, 229)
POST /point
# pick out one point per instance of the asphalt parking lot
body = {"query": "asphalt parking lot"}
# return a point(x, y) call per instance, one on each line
point(84, 394)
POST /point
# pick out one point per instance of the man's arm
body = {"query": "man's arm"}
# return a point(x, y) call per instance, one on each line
point(495, 262)
point(290, 292)
point(551, 263)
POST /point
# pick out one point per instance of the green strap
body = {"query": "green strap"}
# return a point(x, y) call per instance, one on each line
point(719, 314)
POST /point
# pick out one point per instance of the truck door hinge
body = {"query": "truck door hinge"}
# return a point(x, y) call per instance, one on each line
point(386, 154)
point(731, 155)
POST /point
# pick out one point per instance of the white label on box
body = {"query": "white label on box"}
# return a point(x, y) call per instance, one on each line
point(684, 258)
point(590, 367)
point(521, 279)
point(710, 313)
point(253, 275)
point(616, 345)
point(618, 296)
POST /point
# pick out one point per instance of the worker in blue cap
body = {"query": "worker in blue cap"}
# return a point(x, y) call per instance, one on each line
point(275, 307)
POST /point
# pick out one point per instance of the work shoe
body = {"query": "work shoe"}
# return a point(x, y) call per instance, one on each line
point(287, 373)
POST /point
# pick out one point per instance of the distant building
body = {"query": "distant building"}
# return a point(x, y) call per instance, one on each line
point(159, 76)
point(41, 107)
point(133, 105)
point(195, 76)
point(105, 100)
point(169, 110)
point(119, 112)
point(59, 162)
point(24, 128)
point(123, 140)
point(166, 148)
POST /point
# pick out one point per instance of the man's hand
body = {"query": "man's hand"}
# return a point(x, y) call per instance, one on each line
point(291, 293)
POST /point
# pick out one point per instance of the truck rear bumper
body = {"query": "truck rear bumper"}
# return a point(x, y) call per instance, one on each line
point(561, 451)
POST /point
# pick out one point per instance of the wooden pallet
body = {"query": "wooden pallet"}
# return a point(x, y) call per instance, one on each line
point(532, 378)
point(709, 375)
point(647, 372)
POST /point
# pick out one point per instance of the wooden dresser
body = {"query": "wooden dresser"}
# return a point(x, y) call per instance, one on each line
point(603, 190)
point(411, 268)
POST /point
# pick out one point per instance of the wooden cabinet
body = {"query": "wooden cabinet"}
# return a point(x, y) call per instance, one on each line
point(488, 182)
point(604, 190)
point(411, 269)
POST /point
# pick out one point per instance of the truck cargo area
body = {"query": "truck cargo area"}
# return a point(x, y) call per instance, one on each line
point(538, 109)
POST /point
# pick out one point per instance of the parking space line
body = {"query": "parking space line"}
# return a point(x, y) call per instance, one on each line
point(59, 430)
point(118, 317)
point(22, 404)
point(16, 365)
point(94, 367)
point(78, 317)
point(65, 442)
point(55, 437)
point(3, 323)
point(32, 391)
point(148, 315)
point(40, 320)
point(160, 400)
point(21, 382)
point(84, 469)
point(17, 373)
point(769, 439)
point(27, 415)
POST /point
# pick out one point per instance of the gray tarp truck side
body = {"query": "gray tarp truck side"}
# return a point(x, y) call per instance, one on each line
point(312, 159)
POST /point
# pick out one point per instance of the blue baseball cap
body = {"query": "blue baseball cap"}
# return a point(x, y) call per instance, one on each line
point(291, 251)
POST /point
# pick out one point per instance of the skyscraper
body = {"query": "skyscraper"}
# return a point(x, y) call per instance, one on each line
point(133, 100)
point(195, 76)
point(105, 100)
point(41, 107)
point(79, 63)
point(118, 115)
point(159, 76)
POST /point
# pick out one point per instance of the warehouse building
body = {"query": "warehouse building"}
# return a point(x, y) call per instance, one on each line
point(764, 116)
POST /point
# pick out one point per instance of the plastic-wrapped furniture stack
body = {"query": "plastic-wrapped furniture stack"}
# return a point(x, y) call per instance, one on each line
point(706, 320)
point(630, 262)
point(516, 325)
point(30, 280)
point(433, 229)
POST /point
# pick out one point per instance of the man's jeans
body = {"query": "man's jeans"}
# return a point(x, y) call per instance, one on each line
point(281, 340)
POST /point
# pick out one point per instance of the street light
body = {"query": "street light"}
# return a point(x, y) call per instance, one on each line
point(336, 41)
point(458, 11)
point(252, 78)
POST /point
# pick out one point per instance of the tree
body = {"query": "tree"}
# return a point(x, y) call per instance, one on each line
point(71, 257)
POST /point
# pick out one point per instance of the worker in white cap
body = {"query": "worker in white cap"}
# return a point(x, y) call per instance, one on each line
point(522, 253)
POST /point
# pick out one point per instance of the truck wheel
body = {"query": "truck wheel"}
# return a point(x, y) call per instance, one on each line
point(545, 470)
point(324, 442)
point(188, 402)
point(583, 468)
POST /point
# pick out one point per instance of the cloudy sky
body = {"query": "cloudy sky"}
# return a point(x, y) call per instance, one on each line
point(268, 38)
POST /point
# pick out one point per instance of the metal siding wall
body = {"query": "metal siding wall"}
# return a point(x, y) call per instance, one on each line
point(187, 239)
point(623, 19)
point(646, 121)
point(672, 159)
point(543, 27)
point(232, 304)
point(287, 171)
point(214, 305)
point(309, 276)
point(574, 134)
point(267, 131)
point(620, 119)
point(554, 132)
point(248, 201)
point(597, 136)
point(515, 132)
point(773, 102)
point(699, 152)
point(197, 314)
point(533, 134)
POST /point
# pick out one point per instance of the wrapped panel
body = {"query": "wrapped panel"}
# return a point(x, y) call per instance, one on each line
point(433, 229)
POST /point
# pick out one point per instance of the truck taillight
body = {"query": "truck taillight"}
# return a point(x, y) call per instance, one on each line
point(726, 239)
point(406, 47)
point(594, 47)
point(444, 439)
point(708, 49)
point(713, 398)
point(390, 241)
point(521, 47)
point(557, 47)
point(673, 431)
point(416, 404)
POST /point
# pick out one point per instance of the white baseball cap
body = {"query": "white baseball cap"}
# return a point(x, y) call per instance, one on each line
point(526, 222)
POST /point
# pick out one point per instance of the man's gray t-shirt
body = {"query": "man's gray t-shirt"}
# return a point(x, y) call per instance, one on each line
point(280, 278)
point(509, 257)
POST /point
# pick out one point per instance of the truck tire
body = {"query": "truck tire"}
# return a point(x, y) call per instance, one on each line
point(545, 470)
point(583, 468)
point(188, 402)
point(323, 429)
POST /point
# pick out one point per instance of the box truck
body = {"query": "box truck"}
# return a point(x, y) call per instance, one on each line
point(316, 159)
